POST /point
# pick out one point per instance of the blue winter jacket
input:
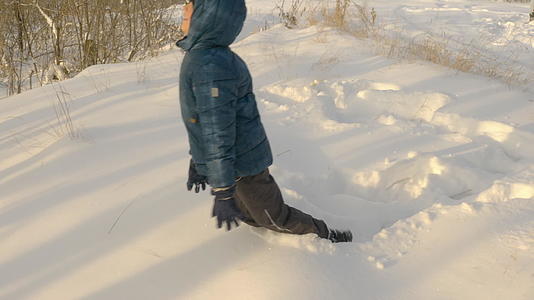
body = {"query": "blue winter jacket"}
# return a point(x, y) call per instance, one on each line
point(226, 136)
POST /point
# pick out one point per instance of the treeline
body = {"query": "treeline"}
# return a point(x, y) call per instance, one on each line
point(45, 40)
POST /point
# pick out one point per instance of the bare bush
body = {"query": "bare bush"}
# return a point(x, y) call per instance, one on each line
point(46, 40)
point(290, 13)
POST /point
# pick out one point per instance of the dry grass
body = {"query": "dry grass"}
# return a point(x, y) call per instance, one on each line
point(362, 21)
point(65, 125)
point(332, 14)
point(290, 12)
point(465, 58)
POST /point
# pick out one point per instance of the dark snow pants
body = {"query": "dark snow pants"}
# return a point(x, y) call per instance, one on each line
point(260, 200)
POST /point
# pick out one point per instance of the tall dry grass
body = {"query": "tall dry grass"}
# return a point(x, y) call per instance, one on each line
point(65, 126)
point(358, 19)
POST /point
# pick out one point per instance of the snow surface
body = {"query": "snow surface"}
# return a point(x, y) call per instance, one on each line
point(432, 169)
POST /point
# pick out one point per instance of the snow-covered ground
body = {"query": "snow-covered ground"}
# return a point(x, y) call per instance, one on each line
point(432, 169)
point(496, 30)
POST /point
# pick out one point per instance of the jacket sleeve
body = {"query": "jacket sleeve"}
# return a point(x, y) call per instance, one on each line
point(216, 99)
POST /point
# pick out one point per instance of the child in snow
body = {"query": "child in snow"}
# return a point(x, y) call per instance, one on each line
point(228, 144)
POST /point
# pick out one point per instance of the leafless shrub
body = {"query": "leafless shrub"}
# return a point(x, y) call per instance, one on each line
point(290, 13)
point(48, 40)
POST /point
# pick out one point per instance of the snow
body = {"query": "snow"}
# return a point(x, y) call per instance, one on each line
point(432, 169)
point(496, 30)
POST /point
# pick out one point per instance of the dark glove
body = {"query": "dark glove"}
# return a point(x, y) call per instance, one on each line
point(195, 179)
point(225, 208)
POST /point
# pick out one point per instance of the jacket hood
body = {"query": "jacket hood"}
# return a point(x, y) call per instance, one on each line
point(215, 23)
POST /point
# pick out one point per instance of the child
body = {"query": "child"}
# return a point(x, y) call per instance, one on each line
point(228, 144)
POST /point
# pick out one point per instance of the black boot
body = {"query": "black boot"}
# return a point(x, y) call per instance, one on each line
point(339, 236)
